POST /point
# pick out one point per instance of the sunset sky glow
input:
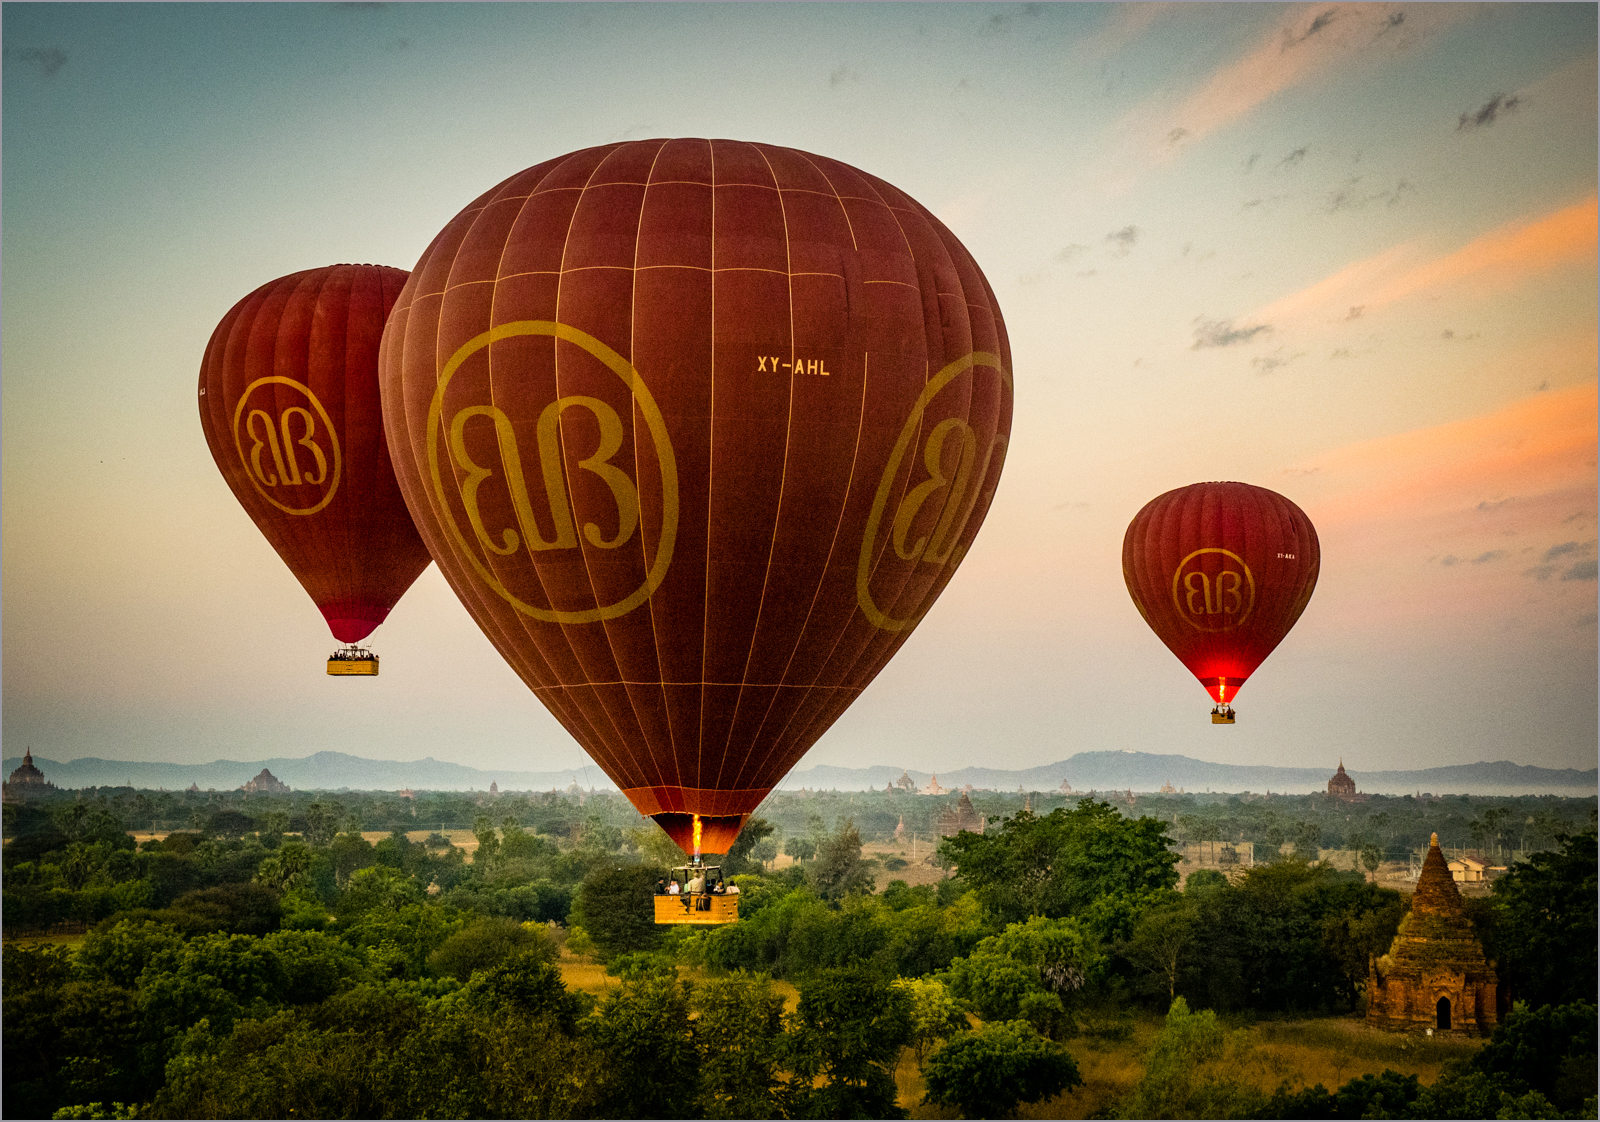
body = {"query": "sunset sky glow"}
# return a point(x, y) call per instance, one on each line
point(1346, 252)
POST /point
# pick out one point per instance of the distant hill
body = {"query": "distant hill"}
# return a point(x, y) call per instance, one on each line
point(322, 771)
point(1145, 771)
point(1086, 771)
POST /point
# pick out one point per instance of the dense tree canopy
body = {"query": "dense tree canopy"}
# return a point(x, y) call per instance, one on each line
point(339, 955)
point(1058, 864)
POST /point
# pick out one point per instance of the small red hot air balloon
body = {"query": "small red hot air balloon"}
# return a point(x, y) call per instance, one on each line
point(697, 430)
point(1221, 572)
point(289, 404)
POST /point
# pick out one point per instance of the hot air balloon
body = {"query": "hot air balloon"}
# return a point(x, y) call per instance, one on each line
point(289, 404)
point(1221, 572)
point(697, 430)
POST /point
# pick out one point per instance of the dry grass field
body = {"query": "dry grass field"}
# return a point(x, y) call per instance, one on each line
point(1328, 1050)
point(917, 869)
point(591, 977)
point(70, 941)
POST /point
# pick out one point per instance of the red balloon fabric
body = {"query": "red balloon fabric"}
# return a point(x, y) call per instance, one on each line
point(1221, 572)
point(289, 404)
point(697, 430)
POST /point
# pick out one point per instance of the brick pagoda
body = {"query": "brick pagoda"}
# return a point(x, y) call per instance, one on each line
point(1435, 975)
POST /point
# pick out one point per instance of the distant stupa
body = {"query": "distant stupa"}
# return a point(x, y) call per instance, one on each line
point(265, 784)
point(26, 780)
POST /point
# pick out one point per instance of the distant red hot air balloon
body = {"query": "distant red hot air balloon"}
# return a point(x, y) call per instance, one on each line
point(289, 404)
point(1221, 572)
point(697, 430)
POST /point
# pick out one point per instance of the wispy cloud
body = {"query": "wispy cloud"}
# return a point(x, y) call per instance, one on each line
point(1300, 47)
point(1563, 549)
point(1304, 44)
point(1488, 113)
point(1267, 364)
point(47, 60)
point(1222, 333)
point(1498, 259)
point(1453, 519)
point(1122, 241)
point(1583, 570)
point(1352, 196)
point(1532, 460)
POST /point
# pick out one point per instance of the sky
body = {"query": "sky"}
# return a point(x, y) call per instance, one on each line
point(1344, 252)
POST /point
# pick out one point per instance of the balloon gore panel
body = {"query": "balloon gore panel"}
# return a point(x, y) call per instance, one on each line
point(697, 430)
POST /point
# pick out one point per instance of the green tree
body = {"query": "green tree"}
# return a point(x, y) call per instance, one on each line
point(1028, 972)
point(322, 823)
point(119, 952)
point(230, 824)
point(738, 858)
point(644, 1031)
point(350, 852)
point(1390, 1095)
point(1057, 864)
point(243, 908)
point(90, 822)
point(1371, 858)
point(1162, 940)
point(991, 1072)
point(838, 870)
point(274, 824)
point(288, 868)
point(616, 907)
point(1551, 1049)
point(529, 982)
point(1545, 924)
point(845, 1038)
point(66, 1040)
point(935, 1015)
point(485, 943)
point(379, 887)
point(1185, 1074)
point(799, 847)
point(739, 1031)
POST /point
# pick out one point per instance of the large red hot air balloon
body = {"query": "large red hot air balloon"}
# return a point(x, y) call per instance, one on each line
point(697, 430)
point(289, 404)
point(1221, 572)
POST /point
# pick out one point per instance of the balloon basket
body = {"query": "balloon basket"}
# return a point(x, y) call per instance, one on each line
point(1222, 716)
point(353, 660)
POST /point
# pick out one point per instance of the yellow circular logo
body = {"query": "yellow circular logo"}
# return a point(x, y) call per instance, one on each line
point(952, 492)
point(483, 541)
point(289, 452)
point(1213, 589)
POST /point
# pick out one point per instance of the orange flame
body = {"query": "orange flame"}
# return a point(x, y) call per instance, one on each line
point(697, 835)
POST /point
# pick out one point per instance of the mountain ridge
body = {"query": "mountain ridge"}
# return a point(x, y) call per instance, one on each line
point(1085, 771)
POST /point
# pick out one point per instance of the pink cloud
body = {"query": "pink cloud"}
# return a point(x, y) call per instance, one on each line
point(1497, 260)
point(1458, 521)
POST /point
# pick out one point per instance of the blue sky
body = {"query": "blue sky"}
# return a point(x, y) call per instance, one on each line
point(1346, 252)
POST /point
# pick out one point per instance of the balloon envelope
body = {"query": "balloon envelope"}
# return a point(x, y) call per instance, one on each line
point(697, 430)
point(1221, 572)
point(289, 404)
